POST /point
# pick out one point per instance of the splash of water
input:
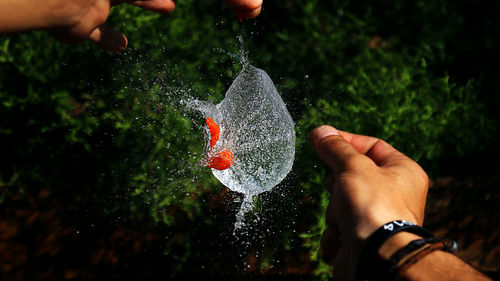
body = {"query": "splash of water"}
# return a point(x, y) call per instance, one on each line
point(257, 127)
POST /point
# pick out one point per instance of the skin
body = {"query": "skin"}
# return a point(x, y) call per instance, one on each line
point(245, 9)
point(371, 184)
point(75, 21)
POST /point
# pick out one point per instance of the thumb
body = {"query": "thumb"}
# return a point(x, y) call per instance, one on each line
point(247, 14)
point(333, 149)
point(108, 39)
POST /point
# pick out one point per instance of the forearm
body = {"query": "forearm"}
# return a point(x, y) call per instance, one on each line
point(442, 266)
point(22, 15)
point(438, 265)
point(25, 15)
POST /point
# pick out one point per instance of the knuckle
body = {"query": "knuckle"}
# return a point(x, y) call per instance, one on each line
point(356, 162)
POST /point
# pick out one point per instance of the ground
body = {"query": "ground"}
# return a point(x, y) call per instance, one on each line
point(47, 236)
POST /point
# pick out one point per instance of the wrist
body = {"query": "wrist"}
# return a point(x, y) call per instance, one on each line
point(375, 260)
point(375, 220)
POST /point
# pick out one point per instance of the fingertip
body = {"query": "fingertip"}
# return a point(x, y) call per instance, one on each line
point(109, 39)
point(248, 14)
point(159, 6)
point(164, 7)
point(333, 149)
point(245, 9)
point(322, 132)
point(244, 5)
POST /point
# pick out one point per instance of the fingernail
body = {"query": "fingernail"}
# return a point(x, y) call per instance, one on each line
point(121, 43)
point(322, 132)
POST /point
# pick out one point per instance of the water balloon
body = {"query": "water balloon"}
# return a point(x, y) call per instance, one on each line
point(252, 137)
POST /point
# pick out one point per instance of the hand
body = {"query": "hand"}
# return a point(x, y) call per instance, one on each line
point(77, 20)
point(372, 184)
point(74, 21)
point(85, 19)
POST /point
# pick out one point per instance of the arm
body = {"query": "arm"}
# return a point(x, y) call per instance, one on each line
point(372, 184)
point(28, 15)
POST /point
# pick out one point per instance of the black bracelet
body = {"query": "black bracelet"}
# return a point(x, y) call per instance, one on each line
point(412, 246)
point(392, 263)
point(421, 253)
point(370, 265)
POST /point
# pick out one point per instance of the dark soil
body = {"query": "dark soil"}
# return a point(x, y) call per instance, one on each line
point(51, 236)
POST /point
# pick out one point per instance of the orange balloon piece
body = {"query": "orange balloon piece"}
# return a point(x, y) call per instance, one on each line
point(221, 161)
point(214, 132)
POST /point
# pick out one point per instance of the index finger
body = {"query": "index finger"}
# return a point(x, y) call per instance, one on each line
point(160, 6)
point(382, 153)
point(334, 150)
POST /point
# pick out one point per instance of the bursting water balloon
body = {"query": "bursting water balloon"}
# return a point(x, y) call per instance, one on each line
point(257, 128)
point(251, 145)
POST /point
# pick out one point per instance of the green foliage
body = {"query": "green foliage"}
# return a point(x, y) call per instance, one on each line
point(393, 98)
point(77, 119)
